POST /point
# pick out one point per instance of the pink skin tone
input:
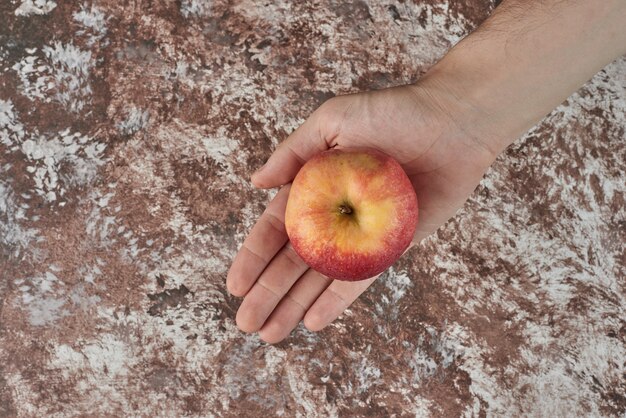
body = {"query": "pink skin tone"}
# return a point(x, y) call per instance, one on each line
point(445, 131)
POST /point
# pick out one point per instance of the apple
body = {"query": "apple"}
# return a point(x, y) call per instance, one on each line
point(351, 213)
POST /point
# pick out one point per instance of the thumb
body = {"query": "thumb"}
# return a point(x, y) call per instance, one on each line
point(306, 141)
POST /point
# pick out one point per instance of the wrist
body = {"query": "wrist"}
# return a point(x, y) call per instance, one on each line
point(506, 76)
point(455, 123)
point(460, 113)
point(474, 94)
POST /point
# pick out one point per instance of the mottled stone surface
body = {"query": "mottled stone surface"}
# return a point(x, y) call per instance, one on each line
point(128, 132)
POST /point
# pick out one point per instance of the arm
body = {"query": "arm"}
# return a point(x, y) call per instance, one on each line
point(526, 59)
point(445, 131)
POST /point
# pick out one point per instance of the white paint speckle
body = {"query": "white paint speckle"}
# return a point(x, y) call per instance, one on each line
point(40, 300)
point(367, 373)
point(196, 8)
point(35, 7)
point(11, 129)
point(311, 399)
point(93, 21)
point(35, 77)
point(60, 72)
point(220, 147)
point(70, 71)
point(136, 120)
point(47, 155)
point(398, 283)
point(14, 236)
point(447, 344)
point(106, 352)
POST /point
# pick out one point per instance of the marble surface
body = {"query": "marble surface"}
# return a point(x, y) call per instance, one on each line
point(128, 132)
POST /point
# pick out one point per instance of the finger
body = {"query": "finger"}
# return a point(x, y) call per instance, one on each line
point(265, 240)
point(293, 306)
point(273, 284)
point(335, 299)
point(306, 141)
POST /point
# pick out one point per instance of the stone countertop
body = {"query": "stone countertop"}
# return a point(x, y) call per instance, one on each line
point(128, 132)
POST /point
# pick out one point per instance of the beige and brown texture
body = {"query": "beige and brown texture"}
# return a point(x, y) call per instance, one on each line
point(128, 132)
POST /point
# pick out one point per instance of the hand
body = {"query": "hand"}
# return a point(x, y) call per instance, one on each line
point(509, 73)
point(410, 123)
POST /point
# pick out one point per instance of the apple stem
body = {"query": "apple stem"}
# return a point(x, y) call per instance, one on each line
point(345, 209)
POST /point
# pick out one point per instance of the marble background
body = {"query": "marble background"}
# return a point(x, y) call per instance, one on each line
point(128, 132)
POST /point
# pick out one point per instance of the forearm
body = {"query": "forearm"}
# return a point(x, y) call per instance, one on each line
point(525, 60)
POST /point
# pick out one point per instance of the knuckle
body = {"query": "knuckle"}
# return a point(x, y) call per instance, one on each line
point(275, 222)
point(292, 256)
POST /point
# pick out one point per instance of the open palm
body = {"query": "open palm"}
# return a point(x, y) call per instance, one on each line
point(411, 124)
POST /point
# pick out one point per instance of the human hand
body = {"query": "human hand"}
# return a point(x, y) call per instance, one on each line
point(444, 131)
point(412, 124)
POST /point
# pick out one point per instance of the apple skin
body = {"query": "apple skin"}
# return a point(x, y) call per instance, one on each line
point(351, 213)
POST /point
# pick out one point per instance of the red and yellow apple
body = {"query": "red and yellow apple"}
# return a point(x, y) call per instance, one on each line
point(351, 213)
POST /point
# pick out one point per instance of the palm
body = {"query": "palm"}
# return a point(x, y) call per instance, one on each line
point(443, 165)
